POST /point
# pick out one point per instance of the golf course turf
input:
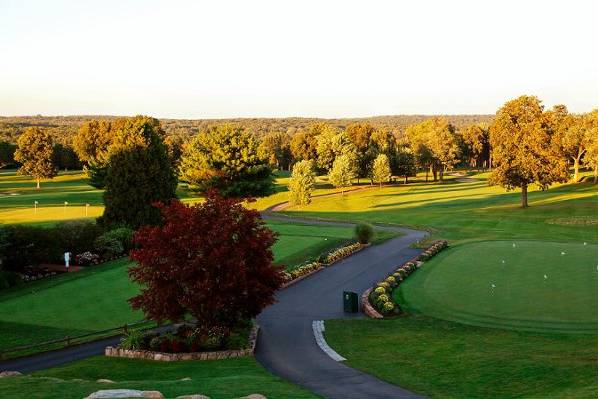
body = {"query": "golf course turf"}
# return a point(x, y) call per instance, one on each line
point(526, 285)
point(218, 379)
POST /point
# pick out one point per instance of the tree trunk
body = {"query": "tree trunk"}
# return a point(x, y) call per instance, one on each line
point(524, 196)
point(596, 174)
point(380, 184)
point(406, 179)
point(37, 183)
point(575, 170)
point(427, 175)
point(441, 174)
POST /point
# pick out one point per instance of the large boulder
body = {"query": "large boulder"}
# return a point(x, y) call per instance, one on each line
point(254, 396)
point(124, 394)
point(194, 396)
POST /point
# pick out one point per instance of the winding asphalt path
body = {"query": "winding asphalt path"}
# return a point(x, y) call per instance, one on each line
point(286, 344)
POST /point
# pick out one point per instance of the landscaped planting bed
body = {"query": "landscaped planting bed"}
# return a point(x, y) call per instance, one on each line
point(377, 301)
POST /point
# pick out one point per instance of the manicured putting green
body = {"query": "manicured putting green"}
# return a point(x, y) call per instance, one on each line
point(528, 285)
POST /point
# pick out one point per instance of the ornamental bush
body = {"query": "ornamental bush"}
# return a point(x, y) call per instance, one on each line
point(364, 233)
point(217, 266)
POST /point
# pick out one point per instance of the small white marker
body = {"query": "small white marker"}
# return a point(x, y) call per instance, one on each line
point(493, 286)
point(545, 277)
point(585, 243)
point(503, 261)
point(514, 245)
point(563, 253)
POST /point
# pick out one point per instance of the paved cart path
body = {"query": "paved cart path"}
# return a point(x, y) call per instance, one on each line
point(287, 346)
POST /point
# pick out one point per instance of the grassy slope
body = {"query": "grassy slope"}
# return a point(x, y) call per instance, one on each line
point(457, 285)
point(469, 210)
point(220, 379)
point(446, 360)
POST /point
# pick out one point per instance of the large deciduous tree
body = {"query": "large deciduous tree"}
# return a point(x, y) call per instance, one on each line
point(276, 148)
point(590, 127)
point(139, 173)
point(7, 153)
point(381, 170)
point(304, 145)
point(302, 183)
point(569, 136)
point(211, 261)
point(523, 149)
point(35, 152)
point(342, 172)
point(226, 158)
point(360, 134)
point(91, 144)
point(477, 144)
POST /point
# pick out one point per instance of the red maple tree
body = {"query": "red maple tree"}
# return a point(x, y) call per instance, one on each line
point(212, 261)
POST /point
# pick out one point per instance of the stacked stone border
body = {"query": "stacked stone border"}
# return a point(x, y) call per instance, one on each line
point(377, 301)
point(111, 351)
point(301, 272)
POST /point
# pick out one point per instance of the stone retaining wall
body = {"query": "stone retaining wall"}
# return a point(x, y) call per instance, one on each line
point(171, 357)
point(367, 307)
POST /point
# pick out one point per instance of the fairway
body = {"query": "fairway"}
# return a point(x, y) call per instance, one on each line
point(540, 286)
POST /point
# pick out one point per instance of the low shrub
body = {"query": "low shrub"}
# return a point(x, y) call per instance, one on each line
point(87, 259)
point(382, 292)
point(342, 252)
point(123, 235)
point(9, 279)
point(108, 247)
point(364, 233)
point(134, 339)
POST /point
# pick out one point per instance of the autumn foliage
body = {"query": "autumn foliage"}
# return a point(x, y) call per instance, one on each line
point(212, 261)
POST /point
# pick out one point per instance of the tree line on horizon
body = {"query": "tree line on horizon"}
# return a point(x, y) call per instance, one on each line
point(523, 145)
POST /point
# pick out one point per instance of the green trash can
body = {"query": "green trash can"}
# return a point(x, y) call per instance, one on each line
point(350, 302)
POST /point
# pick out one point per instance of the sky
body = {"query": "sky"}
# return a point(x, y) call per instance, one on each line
point(326, 58)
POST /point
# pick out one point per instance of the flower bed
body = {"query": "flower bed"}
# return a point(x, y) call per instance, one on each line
point(329, 259)
point(169, 357)
point(377, 301)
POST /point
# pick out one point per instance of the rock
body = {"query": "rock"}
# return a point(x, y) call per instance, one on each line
point(105, 381)
point(116, 393)
point(124, 393)
point(9, 373)
point(194, 396)
point(254, 396)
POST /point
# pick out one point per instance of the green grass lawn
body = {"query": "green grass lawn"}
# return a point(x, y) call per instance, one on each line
point(219, 379)
point(96, 298)
point(465, 211)
point(442, 359)
point(539, 285)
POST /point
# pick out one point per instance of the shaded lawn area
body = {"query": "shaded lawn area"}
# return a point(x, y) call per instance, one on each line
point(442, 359)
point(218, 379)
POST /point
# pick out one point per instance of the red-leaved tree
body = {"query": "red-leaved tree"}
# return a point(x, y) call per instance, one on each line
point(212, 261)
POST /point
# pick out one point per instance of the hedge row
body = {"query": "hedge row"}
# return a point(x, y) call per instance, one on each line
point(381, 294)
point(325, 260)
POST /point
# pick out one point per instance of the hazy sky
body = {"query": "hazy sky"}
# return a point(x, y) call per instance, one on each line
point(204, 59)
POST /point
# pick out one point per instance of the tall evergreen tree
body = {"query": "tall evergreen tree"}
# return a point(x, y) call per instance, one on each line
point(35, 151)
point(226, 158)
point(139, 174)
